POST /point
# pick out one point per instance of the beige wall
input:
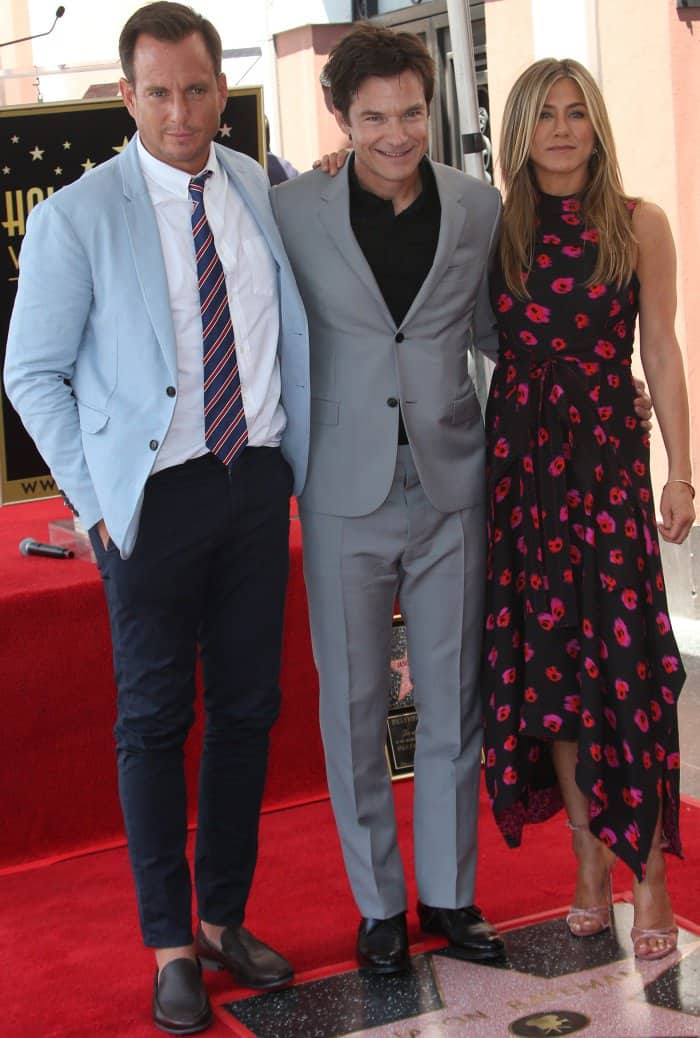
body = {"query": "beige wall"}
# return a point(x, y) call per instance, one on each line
point(308, 130)
point(14, 23)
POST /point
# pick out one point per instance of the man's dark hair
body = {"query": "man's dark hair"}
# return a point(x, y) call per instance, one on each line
point(169, 22)
point(372, 50)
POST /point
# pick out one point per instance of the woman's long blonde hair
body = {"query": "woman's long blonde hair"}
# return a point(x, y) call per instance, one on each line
point(604, 204)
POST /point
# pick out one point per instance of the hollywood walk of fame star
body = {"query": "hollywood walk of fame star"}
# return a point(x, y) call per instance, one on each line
point(37, 153)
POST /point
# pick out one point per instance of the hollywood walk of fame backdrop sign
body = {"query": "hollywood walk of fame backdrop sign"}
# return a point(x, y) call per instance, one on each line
point(42, 148)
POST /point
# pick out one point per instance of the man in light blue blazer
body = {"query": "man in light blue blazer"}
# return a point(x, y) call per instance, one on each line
point(158, 355)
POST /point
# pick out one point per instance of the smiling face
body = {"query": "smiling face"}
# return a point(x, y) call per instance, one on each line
point(175, 99)
point(563, 141)
point(388, 121)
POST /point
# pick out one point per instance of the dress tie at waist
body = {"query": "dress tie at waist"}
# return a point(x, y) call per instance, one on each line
point(552, 421)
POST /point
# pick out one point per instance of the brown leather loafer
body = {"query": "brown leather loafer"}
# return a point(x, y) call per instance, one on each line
point(382, 945)
point(180, 1002)
point(249, 961)
point(471, 937)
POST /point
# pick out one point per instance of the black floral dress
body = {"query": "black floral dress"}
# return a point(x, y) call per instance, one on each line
point(578, 643)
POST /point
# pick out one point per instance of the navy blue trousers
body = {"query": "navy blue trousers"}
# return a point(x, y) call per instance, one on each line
point(209, 571)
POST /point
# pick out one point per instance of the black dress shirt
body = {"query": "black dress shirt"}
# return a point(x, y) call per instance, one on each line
point(399, 249)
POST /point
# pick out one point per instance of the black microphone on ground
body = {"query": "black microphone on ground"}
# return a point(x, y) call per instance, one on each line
point(60, 11)
point(49, 551)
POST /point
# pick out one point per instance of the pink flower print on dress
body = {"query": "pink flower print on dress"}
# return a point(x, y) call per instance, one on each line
point(607, 836)
point(537, 314)
point(622, 635)
point(621, 688)
point(505, 303)
point(629, 598)
point(581, 321)
point(528, 338)
point(632, 796)
point(591, 235)
point(604, 349)
point(543, 260)
point(572, 704)
point(563, 285)
point(552, 722)
point(551, 239)
point(596, 752)
point(596, 291)
point(510, 776)
point(591, 668)
point(641, 720)
point(611, 756)
point(573, 252)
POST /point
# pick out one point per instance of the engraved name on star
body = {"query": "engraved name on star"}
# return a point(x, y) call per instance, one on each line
point(37, 153)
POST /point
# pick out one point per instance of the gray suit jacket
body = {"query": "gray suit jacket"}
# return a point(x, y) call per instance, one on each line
point(91, 350)
point(361, 361)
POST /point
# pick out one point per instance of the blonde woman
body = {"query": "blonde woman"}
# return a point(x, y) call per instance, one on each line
point(582, 672)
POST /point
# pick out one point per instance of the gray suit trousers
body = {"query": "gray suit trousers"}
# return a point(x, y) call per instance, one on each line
point(354, 568)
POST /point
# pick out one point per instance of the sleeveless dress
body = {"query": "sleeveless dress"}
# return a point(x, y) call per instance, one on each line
point(578, 643)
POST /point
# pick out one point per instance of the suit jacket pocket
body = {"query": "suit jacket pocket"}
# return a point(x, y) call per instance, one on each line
point(91, 420)
point(466, 410)
point(324, 412)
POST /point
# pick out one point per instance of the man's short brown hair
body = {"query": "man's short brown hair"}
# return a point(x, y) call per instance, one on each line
point(169, 22)
point(372, 50)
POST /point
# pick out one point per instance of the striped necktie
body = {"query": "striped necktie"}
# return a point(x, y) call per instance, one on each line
point(225, 429)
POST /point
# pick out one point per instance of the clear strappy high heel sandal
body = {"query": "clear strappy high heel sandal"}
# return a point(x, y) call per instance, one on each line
point(585, 922)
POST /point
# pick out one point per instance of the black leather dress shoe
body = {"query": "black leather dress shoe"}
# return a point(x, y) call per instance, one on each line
point(180, 1002)
point(249, 961)
point(382, 945)
point(469, 934)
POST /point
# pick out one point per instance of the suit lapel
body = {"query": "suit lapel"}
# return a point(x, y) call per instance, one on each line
point(453, 213)
point(146, 253)
point(334, 213)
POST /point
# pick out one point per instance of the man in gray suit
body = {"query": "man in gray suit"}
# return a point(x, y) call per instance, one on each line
point(391, 259)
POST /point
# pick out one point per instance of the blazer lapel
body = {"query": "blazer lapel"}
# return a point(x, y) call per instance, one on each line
point(334, 213)
point(146, 253)
point(453, 213)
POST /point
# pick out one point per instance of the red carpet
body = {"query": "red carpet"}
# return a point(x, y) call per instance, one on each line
point(72, 964)
point(58, 786)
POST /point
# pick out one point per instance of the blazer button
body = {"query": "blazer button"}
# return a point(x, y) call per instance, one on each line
point(392, 401)
point(399, 337)
point(171, 391)
point(153, 445)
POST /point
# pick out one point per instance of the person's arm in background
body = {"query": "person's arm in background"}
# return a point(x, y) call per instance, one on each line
point(663, 364)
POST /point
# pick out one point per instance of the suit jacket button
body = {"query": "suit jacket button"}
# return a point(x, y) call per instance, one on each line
point(392, 401)
point(171, 391)
point(153, 445)
point(399, 337)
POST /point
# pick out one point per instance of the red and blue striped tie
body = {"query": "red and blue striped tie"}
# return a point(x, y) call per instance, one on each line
point(225, 429)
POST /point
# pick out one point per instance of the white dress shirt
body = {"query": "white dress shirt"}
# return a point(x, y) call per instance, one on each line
point(251, 285)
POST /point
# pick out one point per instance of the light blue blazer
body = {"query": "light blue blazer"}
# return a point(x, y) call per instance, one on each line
point(91, 348)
